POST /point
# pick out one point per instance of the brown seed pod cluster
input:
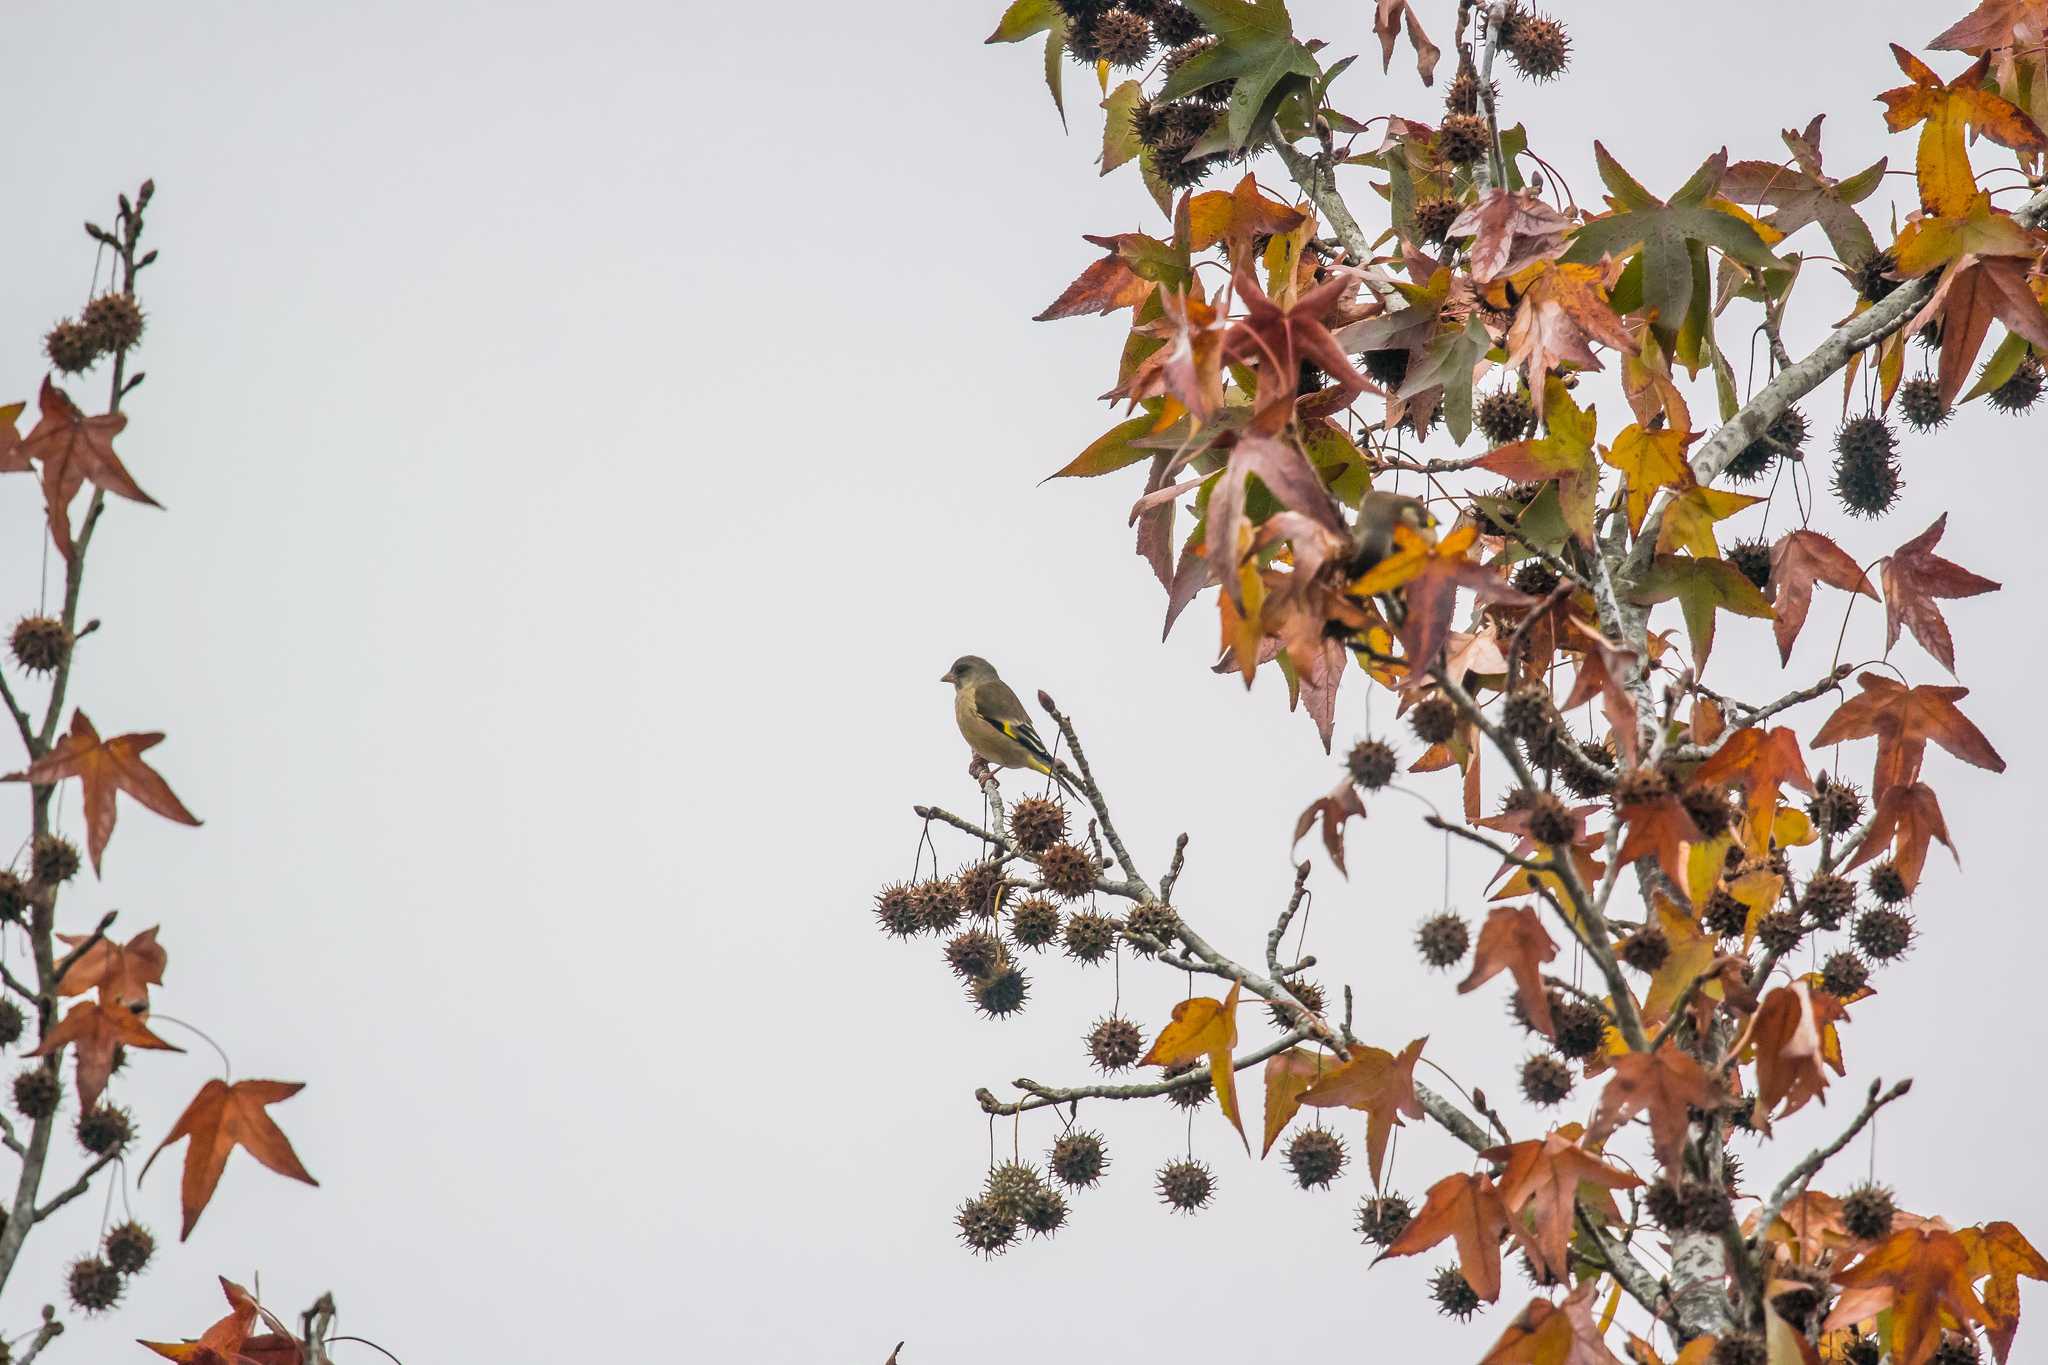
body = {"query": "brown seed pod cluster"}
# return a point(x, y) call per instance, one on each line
point(1089, 936)
point(1302, 989)
point(1647, 949)
point(1434, 719)
point(1034, 923)
point(1068, 870)
point(94, 1285)
point(1315, 1157)
point(1078, 1159)
point(1455, 1297)
point(128, 1246)
point(1371, 763)
point(1037, 824)
point(1462, 139)
point(40, 644)
point(1443, 939)
point(1546, 1081)
point(1186, 1186)
point(1383, 1217)
point(1115, 1044)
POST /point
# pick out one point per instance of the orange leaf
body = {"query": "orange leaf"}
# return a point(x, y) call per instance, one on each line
point(1287, 1075)
point(1381, 1084)
point(1204, 1026)
point(1669, 1085)
point(104, 766)
point(1945, 112)
point(74, 448)
point(1513, 940)
point(1467, 1209)
point(1921, 1272)
point(1903, 719)
point(121, 972)
point(220, 1118)
point(97, 1030)
point(1543, 1176)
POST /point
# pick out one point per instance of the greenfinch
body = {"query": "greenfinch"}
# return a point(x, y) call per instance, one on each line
point(994, 723)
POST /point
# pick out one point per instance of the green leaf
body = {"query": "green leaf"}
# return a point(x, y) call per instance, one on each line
point(1024, 18)
point(1112, 450)
point(1119, 135)
point(1449, 363)
point(1055, 49)
point(1255, 47)
point(1702, 587)
point(2004, 362)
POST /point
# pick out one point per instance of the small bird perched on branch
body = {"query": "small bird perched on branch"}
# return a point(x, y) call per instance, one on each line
point(1378, 515)
point(995, 724)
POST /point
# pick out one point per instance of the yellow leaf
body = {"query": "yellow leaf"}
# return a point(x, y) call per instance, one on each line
point(1792, 828)
point(1689, 520)
point(1649, 460)
point(1204, 1026)
point(1287, 1075)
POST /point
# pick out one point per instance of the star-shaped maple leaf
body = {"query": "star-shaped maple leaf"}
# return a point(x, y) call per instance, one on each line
point(1906, 820)
point(1903, 719)
point(1762, 761)
point(1278, 339)
point(1429, 573)
point(1511, 230)
point(1920, 1273)
point(229, 1341)
point(1786, 1032)
point(1565, 1333)
point(72, 449)
point(1946, 111)
point(1800, 559)
point(1803, 193)
point(1543, 1176)
point(1972, 292)
point(2000, 1251)
point(1669, 1085)
point(96, 1030)
point(103, 767)
point(1467, 1209)
point(221, 1118)
point(121, 972)
point(1914, 576)
point(1703, 587)
point(1563, 308)
point(1382, 1085)
point(1204, 1027)
point(1513, 940)
point(1659, 829)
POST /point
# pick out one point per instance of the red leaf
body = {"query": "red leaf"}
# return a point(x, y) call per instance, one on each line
point(1914, 577)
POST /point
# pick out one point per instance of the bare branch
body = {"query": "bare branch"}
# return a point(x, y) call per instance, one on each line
point(1045, 1096)
point(1796, 1179)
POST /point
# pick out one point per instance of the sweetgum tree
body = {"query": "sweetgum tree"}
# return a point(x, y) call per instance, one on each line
point(1360, 414)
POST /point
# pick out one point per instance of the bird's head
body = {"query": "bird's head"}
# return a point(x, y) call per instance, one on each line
point(966, 669)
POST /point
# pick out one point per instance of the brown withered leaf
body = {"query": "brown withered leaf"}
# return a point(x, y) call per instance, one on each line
point(121, 972)
point(1104, 287)
point(1995, 23)
point(95, 1030)
point(1429, 573)
point(1914, 577)
point(1341, 805)
point(1564, 1333)
point(221, 1118)
point(1563, 307)
point(1378, 1082)
point(1803, 193)
point(1467, 1209)
point(1972, 292)
point(1235, 217)
point(1563, 455)
point(1762, 761)
point(1387, 19)
point(229, 1341)
point(103, 767)
point(1903, 719)
point(1513, 940)
point(12, 460)
point(1668, 1085)
point(1659, 829)
point(1799, 560)
point(1920, 1273)
point(1786, 1032)
point(74, 449)
point(1278, 339)
point(1543, 1176)
point(1511, 230)
point(2000, 1251)
point(1906, 820)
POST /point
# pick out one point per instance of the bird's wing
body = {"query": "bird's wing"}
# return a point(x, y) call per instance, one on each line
point(999, 706)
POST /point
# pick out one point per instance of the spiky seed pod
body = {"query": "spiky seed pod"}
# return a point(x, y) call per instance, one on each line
point(1516, 798)
point(94, 1285)
point(896, 910)
point(1580, 1028)
point(1433, 219)
point(1371, 763)
point(1550, 822)
point(128, 1247)
point(1751, 462)
point(1115, 1043)
point(1008, 1184)
point(1920, 404)
point(41, 644)
point(1956, 1348)
point(1443, 939)
point(1078, 1159)
point(1707, 1207)
point(1461, 139)
point(1124, 39)
point(1316, 1156)
point(1541, 48)
point(1780, 931)
point(983, 1229)
point(1863, 1350)
point(13, 897)
point(1545, 1080)
point(1789, 429)
point(1195, 1093)
point(1739, 1348)
point(1520, 1015)
point(1044, 1212)
point(1639, 786)
point(1526, 712)
point(1753, 558)
point(1873, 277)
point(1808, 1292)
point(1887, 884)
point(1666, 1205)
point(1434, 719)
point(1153, 921)
point(1302, 989)
point(115, 320)
point(1461, 96)
point(1382, 1218)
point(1534, 577)
point(1001, 993)
point(1037, 824)
point(1186, 1185)
point(1504, 415)
point(973, 953)
point(1455, 1297)
point(1034, 923)
point(1724, 915)
point(1828, 900)
point(939, 905)
point(1068, 870)
point(36, 1093)
point(1647, 949)
point(72, 347)
point(1844, 974)
point(1176, 26)
point(1593, 775)
point(1550, 748)
point(2019, 393)
point(981, 887)
point(1867, 1212)
point(54, 859)
point(105, 1128)
point(1836, 806)
point(1708, 807)
point(1387, 366)
point(1866, 466)
point(1184, 172)
point(1088, 936)
point(12, 1023)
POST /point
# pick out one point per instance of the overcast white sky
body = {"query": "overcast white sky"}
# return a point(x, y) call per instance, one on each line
point(586, 433)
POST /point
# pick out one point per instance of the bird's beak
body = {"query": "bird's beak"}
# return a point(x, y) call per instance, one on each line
point(946, 677)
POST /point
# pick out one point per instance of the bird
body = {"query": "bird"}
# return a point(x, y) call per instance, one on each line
point(995, 724)
point(1378, 515)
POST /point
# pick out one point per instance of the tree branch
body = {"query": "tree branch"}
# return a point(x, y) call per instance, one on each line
point(1809, 1165)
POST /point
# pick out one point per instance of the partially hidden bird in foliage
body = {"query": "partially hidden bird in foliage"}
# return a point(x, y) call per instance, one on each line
point(995, 724)
point(1378, 515)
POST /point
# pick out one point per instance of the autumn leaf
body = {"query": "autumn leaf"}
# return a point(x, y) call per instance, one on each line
point(1334, 810)
point(1377, 1082)
point(1786, 1034)
point(1543, 1177)
point(1702, 587)
point(1668, 1085)
point(1562, 455)
point(1467, 1209)
point(1914, 577)
point(121, 972)
point(1287, 1075)
point(1972, 292)
point(1691, 953)
point(220, 1118)
point(1563, 1333)
point(1945, 112)
point(1204, 1026)
point(1279, 339)
point(1906, 820)
point(1992, 24)
point(1690, 516)
point(1903, 719)
point(1763, 761)
point(1256, 51)
point(1983, 229)
point(1563, 308)
point(1513, 940)
point(12, 460)
point(228, 1342)
point(1649, 461)
point(95, 1030)
point(1106, 286)
point(74, 449)
point(1920, 1273)
point(2000, 1251)
point(1802, 193)
point(1800, 559)
point(1511, 230)
point(1236, 217)
point(1659, 829)
point(1387, 19)
point(103, 767)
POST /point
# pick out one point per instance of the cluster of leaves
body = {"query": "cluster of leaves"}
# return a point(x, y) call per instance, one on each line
point(107, 982)
point(1284, 368)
